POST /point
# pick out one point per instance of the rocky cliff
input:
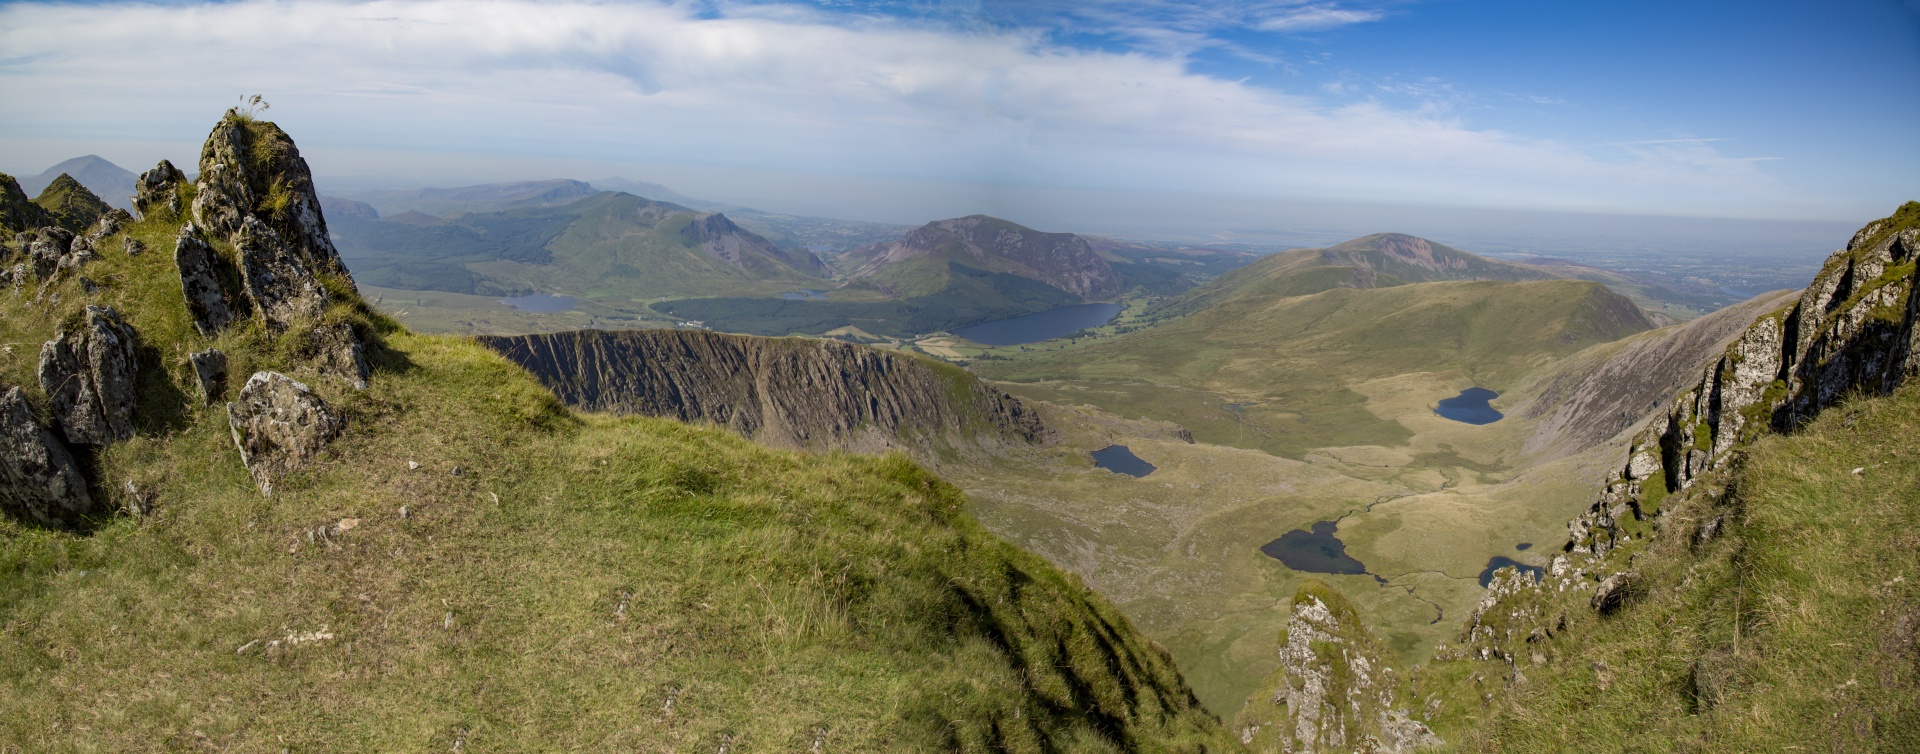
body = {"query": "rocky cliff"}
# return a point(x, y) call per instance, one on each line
point(1745, 575)
point(786, 392)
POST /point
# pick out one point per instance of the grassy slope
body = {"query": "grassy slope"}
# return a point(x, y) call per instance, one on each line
point(1794, 631)
point(1294, 360)
point(586, 582)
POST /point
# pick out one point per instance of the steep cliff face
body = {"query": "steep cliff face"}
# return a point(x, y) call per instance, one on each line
point(786, 392)
point(1747, 576)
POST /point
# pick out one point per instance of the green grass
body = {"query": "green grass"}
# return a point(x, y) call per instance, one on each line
point(1793, 631)
point(583, 582)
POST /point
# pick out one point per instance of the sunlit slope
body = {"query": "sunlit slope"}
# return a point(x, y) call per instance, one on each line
point(1287, 363)
point(472, 566)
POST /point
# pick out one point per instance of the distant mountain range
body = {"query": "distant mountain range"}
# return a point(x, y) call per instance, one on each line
point(110, 182)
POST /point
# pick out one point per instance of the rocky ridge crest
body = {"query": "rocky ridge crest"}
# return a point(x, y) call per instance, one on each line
point(785, 392)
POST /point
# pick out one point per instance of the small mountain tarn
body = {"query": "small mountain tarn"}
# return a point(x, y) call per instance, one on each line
point(1472, 406)
point(1317, 551)
point(1119, 459)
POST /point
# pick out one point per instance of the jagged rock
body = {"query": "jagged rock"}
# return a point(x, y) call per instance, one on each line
point(206, 299)
point(39, 480)
point(88, 375)
point(134, 247)
point(110, 223)
point(251, 168)
point(1615, 591)
point(1334, 690)
point(18, 213)
point(281, 288)
point(48, 249)
point(210, 374)
point(335, 351)
point(157, 193)
point(278, 425)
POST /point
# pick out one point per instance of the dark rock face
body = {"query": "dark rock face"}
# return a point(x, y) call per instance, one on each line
point(788, 392)
point(18, 213)
point(88, 375)
point(210, 374)
point(281, 288)
point(158, 193)
point(252, 169)
point(335, 351)
point(206, 299)
point(39, 480)
point(279, 425)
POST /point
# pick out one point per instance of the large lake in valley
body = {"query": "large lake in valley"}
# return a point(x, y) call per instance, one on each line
point(1471, 406)
point(1039, 326)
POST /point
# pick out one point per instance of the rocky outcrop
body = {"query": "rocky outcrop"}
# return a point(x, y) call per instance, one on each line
point(198, 264)
point(88, 375)
point(787, 392)
point(1335, 690)
point(1853, 329)
point(251, 169)
point(282, 290)
point(39, 480)
point(50, 251)
point(160, 193)
point(334, 351)
point(70, 204)
point(18, 213)
point(279, 425)
point(209, 375)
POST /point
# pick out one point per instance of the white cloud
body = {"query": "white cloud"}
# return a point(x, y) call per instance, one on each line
point(516, 81)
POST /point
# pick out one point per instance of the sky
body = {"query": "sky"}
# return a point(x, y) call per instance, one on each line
point(1236, 113)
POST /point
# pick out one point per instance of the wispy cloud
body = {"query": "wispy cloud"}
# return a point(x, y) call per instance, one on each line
point(786, 88)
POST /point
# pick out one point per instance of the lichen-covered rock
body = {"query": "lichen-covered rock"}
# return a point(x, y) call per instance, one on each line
point(110, 223)
point(251, 168)
point(199, 281)
point(335, 351)
point(1615, 591)
point(281, 288)
point(210, 374)
point(134, 247)
point(1334, 690)
point(48, 249)
point(158, 193)
point(88, 375)
point(279, 425)
point(39, 480)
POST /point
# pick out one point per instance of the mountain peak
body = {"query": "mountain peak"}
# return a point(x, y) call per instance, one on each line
point(111, 183)
point(1062, 260)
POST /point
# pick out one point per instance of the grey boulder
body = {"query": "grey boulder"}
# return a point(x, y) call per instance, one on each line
point(39, 480)
point(157, 192)
point(210, 374)
point(206, 299)
point(279, 285)
point(279, 425)
point(88, 375)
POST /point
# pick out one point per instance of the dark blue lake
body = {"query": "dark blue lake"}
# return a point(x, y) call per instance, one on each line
point(1317, 551)
point(1498, 562)
point(1471, 406)
point(804, 294)
point(1119, 460)
point(1523, 545)
point(1039, 326)
point(540, 303)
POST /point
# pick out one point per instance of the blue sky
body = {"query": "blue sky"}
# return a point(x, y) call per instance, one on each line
point(904, 110)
